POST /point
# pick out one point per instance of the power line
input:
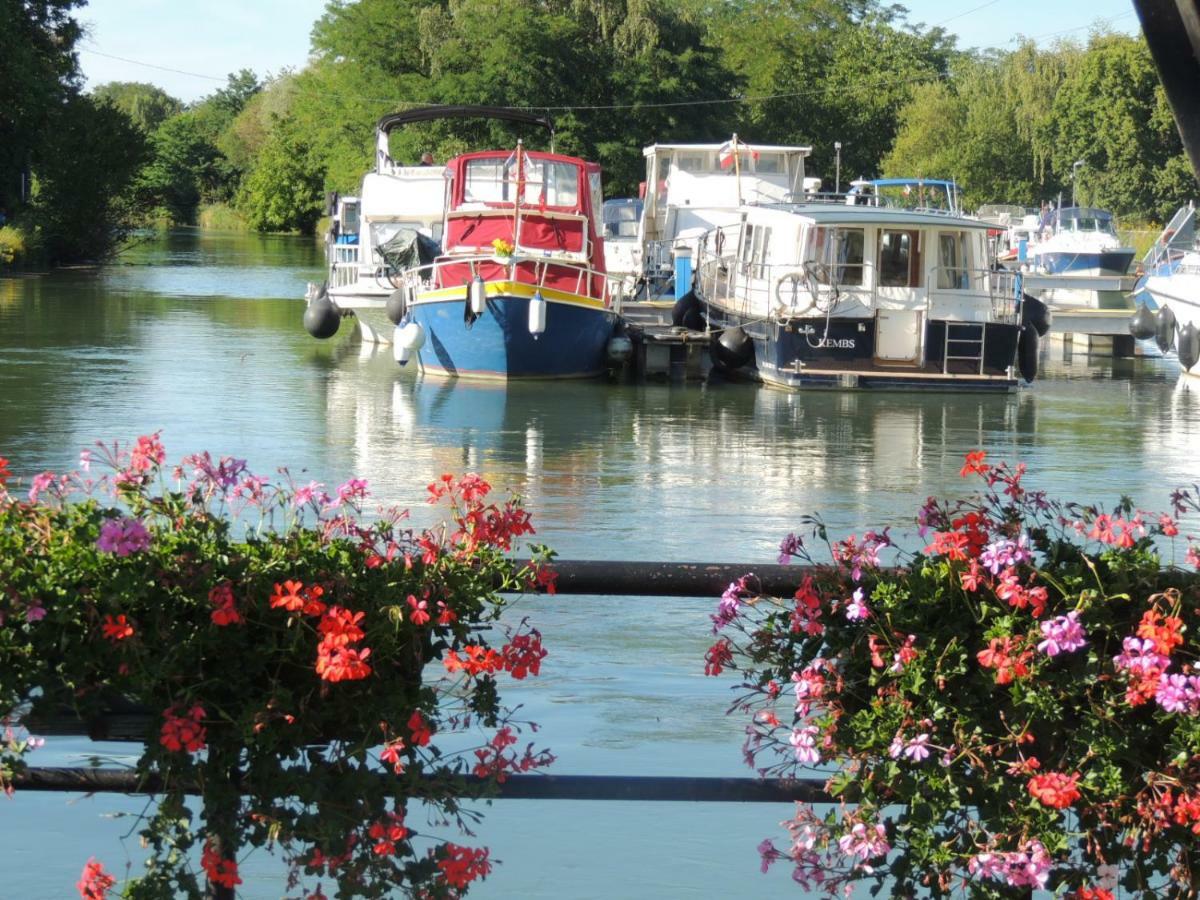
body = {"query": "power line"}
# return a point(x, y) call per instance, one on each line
point(1096, 23)
point(137, 62)
point(967, 13)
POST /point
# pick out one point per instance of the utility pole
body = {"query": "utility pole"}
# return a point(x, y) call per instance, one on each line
point(837, 178)
point(1074, 178)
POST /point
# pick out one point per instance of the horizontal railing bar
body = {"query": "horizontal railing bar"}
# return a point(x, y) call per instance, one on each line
point(625, 578)
point(515, 787)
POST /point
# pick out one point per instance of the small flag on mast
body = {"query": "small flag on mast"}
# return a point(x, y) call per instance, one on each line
point(727, 150)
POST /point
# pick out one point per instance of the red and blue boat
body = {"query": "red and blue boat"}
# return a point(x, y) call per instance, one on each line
point(519, 289)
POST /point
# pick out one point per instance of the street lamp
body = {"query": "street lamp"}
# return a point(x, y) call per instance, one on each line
point(837, 178)
point(1074, 178)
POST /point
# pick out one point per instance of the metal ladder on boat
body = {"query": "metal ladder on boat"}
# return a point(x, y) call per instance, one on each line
point(968, 338)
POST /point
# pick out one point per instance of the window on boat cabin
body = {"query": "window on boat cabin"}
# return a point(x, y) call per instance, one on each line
point(746, 250)
point(840, 253)
point(545, 183)
point(762, 240)
point(768, 164)
point(597, 199)
point(953, 269)
point(695, 161)
point(899, 258)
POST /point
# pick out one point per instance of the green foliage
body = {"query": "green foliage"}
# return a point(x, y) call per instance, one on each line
point(146, 105)
point(299, 665)
point(1111, 112)
point(12, 244)
point(283, 191)
point(183, 169)
point(83, 168)
point(1013, 707)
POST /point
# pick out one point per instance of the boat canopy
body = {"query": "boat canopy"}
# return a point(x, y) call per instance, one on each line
point(387, 124)
point(1085, 218)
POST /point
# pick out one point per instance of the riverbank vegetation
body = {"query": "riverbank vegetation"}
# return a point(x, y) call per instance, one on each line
point(1012, 126)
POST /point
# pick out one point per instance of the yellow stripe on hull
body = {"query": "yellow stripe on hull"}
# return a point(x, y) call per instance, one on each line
point(509, 289)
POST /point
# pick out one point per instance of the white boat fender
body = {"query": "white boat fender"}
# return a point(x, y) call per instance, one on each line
point(537, 314)
point(1164, 330)
point(478, 296)
point(1142, 324)
point(1188, 346)
point(407, 339)
point(796, 279)
point(321, 318)
point(620, 349)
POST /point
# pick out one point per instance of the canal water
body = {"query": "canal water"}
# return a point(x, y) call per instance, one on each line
point(198, 334)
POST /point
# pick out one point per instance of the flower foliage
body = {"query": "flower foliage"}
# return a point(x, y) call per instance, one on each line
point(301, 663)
point(1015, 706)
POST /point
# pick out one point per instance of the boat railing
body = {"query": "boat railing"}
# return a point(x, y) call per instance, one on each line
point(428, 276)
point(1000, 285)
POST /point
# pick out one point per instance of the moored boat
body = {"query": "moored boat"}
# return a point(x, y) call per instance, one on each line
point(519, 289)
point(1172, 280)
point(1083, 242)
point(854, 292)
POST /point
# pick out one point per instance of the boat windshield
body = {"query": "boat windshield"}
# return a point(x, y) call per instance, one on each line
point(544, 182)
point(621, 218)
point(1088, 220)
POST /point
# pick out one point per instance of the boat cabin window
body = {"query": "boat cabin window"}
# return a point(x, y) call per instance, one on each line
point(953, 271)
point(762, 240)
point(840, 250)
point(597, 195)
point(349, 218)
point(546, 183)
point(621, 218)
point(899, 259)
point(694, 162)
point(768, 164)
point(745, 252)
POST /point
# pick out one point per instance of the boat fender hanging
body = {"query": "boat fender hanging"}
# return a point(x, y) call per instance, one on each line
point(1188, 346)
point(1142, 324)
point(407, 339)
point(478, 295)
point(732, 348)
point(469, 316)
point(686, 312)
point(321, 318)
point(788, 293)
point(1036, 313)
point(537, 314)
point(1164, 331)
point(620, 349)
point(397, 305)
point(1027, 352)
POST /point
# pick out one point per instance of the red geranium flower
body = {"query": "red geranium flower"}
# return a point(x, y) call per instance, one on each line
point(1055, 789)
point(118, 629)
point(94, 883)
point(183, 732)
point(288, 596)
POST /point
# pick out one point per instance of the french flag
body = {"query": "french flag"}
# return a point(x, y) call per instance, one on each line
point(729, 149)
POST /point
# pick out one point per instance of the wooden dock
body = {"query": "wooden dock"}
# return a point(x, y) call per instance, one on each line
point(663, 350)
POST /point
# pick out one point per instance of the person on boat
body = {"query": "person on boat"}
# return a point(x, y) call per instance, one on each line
point(426, 159)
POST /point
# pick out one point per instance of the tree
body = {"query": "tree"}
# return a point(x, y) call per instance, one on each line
point(1111, 113)
point(181, 170)
point(283, 190)
point(146, 105)
point(38, 71)
point(82, 171)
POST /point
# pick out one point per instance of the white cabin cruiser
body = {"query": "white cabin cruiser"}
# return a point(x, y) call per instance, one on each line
point(692, 189)
point(1172, 279)
point(395, 223)
point(858, 293)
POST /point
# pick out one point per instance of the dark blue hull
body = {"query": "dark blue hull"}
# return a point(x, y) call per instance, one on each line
point(801, 354)
point(498, 345)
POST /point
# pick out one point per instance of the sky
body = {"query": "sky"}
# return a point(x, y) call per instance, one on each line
point(204, 41)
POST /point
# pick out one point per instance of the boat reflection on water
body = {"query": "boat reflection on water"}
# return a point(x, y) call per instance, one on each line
point(654, 471)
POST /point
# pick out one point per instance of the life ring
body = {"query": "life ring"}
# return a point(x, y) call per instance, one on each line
point(797, 278)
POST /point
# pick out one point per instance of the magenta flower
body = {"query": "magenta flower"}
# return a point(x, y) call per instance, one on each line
point(352, 490)
point(40, 483)
point(1179, 693)
point(790, 546)
point(308, 493)
point(856, 608)
point(1005, 553)
point(35, 613)
point(1062, 635)
point(1141, 657)
point(918, 748)
point(865, 843)
point(805, 741)
point(122, 537)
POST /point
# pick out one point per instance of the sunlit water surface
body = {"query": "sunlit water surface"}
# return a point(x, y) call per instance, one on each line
point(198, 335)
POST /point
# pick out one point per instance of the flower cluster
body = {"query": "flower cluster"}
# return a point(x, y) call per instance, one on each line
point(1016, 706)
point(269, 632)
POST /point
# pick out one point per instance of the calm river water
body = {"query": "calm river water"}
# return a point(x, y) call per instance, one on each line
point(198, 334)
